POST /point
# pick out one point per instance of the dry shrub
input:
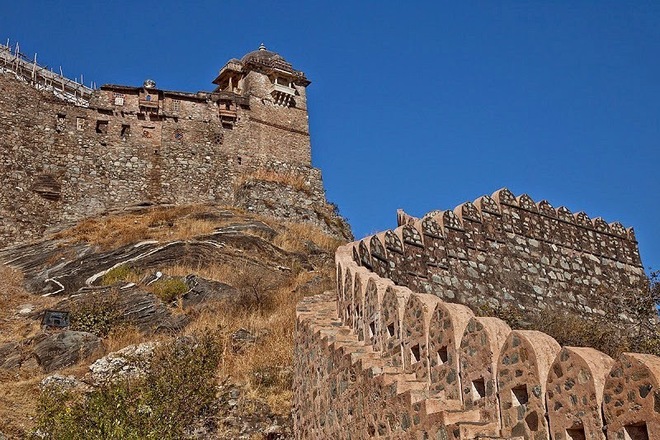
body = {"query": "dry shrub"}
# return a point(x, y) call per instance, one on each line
point(158, 223)
point(175, 394)
point(296, 236)
point(293, 180)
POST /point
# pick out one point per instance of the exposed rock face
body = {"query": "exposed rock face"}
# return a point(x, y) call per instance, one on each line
point(55, 267)
point(126, 306)
point(62, 349)
point(131, 361)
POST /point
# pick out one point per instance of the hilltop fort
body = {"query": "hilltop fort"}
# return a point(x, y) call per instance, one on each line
point(69, 152)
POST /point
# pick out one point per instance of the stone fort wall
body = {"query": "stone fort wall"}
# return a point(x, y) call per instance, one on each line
point(382, 358)
point(62, 160)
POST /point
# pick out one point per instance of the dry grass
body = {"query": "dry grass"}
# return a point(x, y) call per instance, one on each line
point(295, 236)
point(265, 306)
point(295, 181)
point(160, 223)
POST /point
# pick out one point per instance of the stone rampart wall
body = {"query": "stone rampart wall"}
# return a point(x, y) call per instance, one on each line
point(398, 352)
point(377, 360)
point(60, 162)
point(506, 251)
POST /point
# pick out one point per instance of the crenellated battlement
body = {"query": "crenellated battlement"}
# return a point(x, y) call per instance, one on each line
point(506, 251)
point(380, 358)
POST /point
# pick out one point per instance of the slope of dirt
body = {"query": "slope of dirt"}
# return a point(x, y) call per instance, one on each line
point(158, 274)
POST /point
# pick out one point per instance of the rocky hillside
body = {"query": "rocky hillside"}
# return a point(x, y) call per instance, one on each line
point(183, 317)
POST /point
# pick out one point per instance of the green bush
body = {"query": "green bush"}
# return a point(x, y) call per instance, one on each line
point(96, 313)
point(116, 275)
point(170, 289)
point(177, 393)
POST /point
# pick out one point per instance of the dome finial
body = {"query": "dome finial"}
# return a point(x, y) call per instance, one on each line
point(262, 46)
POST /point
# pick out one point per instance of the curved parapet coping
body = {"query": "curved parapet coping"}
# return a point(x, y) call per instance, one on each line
point(632, 398)
point(377, 246)
point(379, 261)
point(393, 241)
point(375, 291)
point(391, 317)
point(431, 228)
point(488, 204)
point(448, 322)
point(449, 220)
point(582, 219)
point(616, 228)
point(565, 214)
point(479, 353)
point(403, 218)
point(361, 277)
point(522, 372)
point(412, 235)
point(574, 392)
point(526, 202)
point(546, 209)
point(467, 211)
point(504, 197)
point(600, 225)
point(363, 252)
point(631, 234)
point(416, 319)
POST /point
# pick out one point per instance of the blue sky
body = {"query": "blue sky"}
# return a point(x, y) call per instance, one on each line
point(419, 105)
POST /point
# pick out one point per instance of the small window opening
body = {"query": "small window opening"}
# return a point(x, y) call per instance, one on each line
point(119, 99)
point(125, 130)
point(60, 125)
point(176, 105)
point(519, 395)
point(442, 355)
point(478, 389)
point(239, 160)
point(636, 432)
point(80, 124)
point(372, 329)
point(414, 354)
point(102, 127)
point(576, 434)
point(390, 330)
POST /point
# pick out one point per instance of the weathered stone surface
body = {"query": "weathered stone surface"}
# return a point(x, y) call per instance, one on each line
point(377, 360)
point(132, 306)
point(129, 362)
point(65, 348)
point(120, 145)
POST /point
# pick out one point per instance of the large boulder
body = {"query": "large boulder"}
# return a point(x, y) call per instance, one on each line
point(62, 349)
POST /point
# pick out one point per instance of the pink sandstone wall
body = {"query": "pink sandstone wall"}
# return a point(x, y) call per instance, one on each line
point(378, 360)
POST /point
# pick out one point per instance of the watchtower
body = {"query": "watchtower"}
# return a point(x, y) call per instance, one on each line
point(276, 93)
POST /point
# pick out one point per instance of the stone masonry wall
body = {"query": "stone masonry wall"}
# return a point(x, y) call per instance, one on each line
point(378, 360)
point(60, 162)
point(504, 251)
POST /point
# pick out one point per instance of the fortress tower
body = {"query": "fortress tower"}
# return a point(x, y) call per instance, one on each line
point(68, 152)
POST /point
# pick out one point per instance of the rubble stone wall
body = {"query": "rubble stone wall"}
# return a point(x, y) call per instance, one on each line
point(503, 251)
point(61, 162)
point(376, 359)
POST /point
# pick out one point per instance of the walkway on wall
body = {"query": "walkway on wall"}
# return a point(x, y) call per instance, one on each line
point(42, 78)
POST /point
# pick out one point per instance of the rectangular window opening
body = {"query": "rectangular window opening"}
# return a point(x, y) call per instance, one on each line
point(125, 130)
point(519, 395)
point(478, 389)
point(414, 354)
point(390, 330)
point(119, 99)
point(576, 433)
point(442, 355)
point(176, 105)
point(80, 124)
point(102, 127)
point(636, 432)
